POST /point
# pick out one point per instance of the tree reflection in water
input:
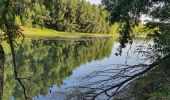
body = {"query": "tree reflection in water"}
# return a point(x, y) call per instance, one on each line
point(41, 64)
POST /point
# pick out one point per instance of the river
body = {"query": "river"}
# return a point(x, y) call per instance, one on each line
point(49, 68)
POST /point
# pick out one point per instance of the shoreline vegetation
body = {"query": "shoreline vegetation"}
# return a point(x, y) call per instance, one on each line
point(49, 33)
point(31, 32)
point(44, 33)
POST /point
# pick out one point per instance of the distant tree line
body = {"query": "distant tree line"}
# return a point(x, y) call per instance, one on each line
point(62, 15)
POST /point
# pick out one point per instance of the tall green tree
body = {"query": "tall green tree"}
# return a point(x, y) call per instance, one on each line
point(71, 15)
point(57, 10)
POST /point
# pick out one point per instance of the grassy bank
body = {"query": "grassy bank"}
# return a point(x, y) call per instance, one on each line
point(43, 32)
point(155, 85)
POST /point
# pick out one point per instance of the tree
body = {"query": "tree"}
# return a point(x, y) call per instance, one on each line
point(128, 12)
point(57, 10)
point(40, 15)
point(61, 15)
point(71, 15)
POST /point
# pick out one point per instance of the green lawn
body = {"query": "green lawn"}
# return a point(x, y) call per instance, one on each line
point(43, 32)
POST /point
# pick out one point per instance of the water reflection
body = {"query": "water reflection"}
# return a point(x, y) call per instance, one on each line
point(107, 68)
point(43, 63)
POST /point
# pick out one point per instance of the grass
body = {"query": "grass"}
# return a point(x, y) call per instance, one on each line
point(43, 32)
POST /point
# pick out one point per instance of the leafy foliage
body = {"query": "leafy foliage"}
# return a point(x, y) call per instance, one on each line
point(61, 15)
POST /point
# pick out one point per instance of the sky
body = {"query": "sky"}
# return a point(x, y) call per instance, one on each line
point(95, 1)
point(143, 17)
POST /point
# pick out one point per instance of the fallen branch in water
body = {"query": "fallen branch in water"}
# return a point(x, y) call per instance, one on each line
point(98, 88)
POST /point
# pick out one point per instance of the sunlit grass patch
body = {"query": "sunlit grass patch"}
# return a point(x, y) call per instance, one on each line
point(52, 33)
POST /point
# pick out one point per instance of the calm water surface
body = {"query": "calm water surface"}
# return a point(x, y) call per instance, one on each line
point(47, 68)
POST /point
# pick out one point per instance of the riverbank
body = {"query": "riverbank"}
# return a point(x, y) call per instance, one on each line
point(154, 85)
point(49, 33)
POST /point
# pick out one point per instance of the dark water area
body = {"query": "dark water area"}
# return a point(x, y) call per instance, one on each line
point(48, 68)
